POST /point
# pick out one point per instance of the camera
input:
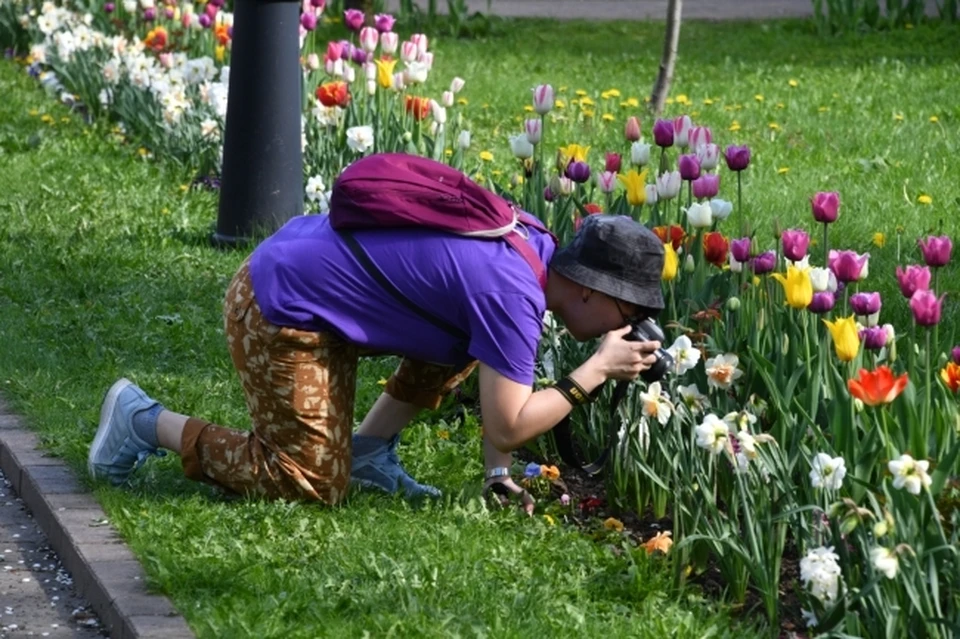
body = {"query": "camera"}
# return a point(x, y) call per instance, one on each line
point(648, 330)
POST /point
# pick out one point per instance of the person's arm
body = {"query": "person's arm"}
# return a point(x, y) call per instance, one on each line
point(513, 414)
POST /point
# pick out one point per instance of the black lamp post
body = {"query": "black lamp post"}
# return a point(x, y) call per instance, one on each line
point(262, 182)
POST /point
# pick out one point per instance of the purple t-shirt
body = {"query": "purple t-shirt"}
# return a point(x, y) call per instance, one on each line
point(304, 276)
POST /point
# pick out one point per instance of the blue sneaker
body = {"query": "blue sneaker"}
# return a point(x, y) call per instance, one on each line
point(117, 450)
point(376, 465)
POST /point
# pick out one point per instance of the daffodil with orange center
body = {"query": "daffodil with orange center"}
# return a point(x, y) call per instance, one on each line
point(877, 387)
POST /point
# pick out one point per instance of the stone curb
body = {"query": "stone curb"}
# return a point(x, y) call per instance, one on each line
point(105, 571)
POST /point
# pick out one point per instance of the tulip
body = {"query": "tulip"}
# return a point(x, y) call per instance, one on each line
point(706, 186)
point(438, 112)
point(211, 10)
point(663, 133)
point(795, 244)
point(674, 235)
point(823, 279)
point(523, 149)
point(333, 94)
point(950, 374)
point(353, 19)
point(170, 13)
point(543, 99)
point(334, 51)
point(426, 58)
point(955, 354)
point(689, 266)
point(417, 107)
point(109, 7)
point(936, 250)
point(709, 156)
point(534, 129)
point(846, 341)
point(313, 61)
point(358, 55)
point(389, 42)
point(877, 387)
point(577, 171)
point(926, 307)
point(681, 131)
point(826, 207)
point(764, 263)
point(668, 185)
point(635, 183)
point(822, 302)
point(689, 167)
point(847, 265)
point(383, 22)
point(632, 129)
point(150, 13)
point(408, 52)
point(721, 208)
point(796, 286)
point(741, 249)
point(736, 266)
point(699, 215)
point(613, 162)
point(446, 99)
point(463, 141)
point(456, 85)
point(349, 74)
point(420, 40)
point(547, 194)
point(334, 68)
point(873, 337)
point(205, 21)
point(715, 247)
point(607, 181)
point(651, 193)
point(369, 37)
point(566, 185)
point(737, 157)
point(914, 278)
point(699, 137)
point(639, 154)
point(864, 304)
point(385, 72)
point(671, 263)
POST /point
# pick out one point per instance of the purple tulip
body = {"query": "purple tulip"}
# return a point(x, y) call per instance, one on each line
point(822, 302)
point(308, 21)
point(847, 265)
point(663, 133)
point(926, 307)
point(795, 244)
point(109, 7)
point(383, 22)
point(206, 21)
point(149, 14)
point(873, 337)
point(578, 172)
point(955, 354)
point(740, 249)
point(218, 3)
point(689, 167)
point(738, 157)
point(914, 278)
point(169, 13)
point(353, 19)
point(706, 186)
point(936, 250)
point(764, 263)
point(865, 303)
point(826, 207)
point(358, 55)
point(547, 194)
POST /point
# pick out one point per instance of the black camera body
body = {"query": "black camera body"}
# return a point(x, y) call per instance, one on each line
point(648, 330)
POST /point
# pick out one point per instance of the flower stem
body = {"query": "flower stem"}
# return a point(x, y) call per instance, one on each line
point(927, 407)
point(739, 203)
point(826, 245)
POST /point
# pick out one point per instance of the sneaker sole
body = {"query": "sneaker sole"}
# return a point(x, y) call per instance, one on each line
point(106, 412)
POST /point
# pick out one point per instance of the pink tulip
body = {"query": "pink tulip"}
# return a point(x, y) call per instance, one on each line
point(607, 181)
point(681, 131)
point(543, 99)
point(926, 307)
point(211, 9)
point(699, 136)
point(847, 265)
point(632, 129)
point(420, 40)
point(334, 51)
point(408, 52)
point(613, 162)
point(353, 19)
point(369, 37)
point(706, 186)
point(389, 42)
point(914, 278)
point(936, 250)
point(826, 207)
point(534, 129)
point(795, 244)
point(709, 156)
point(663, 133)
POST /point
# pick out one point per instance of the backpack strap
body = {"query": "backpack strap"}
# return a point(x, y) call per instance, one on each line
point(522, 246)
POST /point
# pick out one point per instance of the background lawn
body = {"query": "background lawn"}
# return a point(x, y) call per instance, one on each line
point(105, 271)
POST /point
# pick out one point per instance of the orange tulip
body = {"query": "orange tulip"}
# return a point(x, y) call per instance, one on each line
point(715, 247)
point(418, 107)
point(673, 234)
point(950, 374)
point(333, 94)
point(877, 387)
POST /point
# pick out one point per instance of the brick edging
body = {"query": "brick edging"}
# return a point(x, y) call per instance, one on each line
point(105, 571)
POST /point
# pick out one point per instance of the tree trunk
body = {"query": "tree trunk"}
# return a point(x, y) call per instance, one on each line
point(669, 57)
point(364, 5)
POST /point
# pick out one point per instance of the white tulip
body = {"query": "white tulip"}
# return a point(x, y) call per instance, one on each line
point(700, 215)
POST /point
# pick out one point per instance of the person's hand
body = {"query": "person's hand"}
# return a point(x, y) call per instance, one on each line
point(622, 359)
point(504, 489)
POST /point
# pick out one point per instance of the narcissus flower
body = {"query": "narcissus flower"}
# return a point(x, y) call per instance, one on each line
point(846, 339)
point(796, 286)
point(877, 387)
point(636, 186)
point(713, 434)
point(723, 370)
point(909, 473)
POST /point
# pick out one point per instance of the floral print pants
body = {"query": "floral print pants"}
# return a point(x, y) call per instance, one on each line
point(300, 388)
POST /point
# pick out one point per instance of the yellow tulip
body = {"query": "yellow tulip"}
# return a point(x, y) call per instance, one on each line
point(573, 152)
point(671, 263)
point(846, 340)
point(385, 72)
point(797, 287)
point(636, 184)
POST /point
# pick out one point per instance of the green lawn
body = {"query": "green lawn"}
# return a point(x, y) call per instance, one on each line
point(105, 271)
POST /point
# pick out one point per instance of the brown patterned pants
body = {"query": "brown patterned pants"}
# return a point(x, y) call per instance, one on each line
point(300, 388)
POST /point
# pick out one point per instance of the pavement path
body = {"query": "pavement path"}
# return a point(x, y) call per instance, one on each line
point(637, 9)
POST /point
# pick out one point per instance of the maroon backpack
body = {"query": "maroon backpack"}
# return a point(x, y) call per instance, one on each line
point(387, 190)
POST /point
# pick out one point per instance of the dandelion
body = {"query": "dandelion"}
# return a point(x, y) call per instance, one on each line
point(934, 119)
point(898, 117)
point(827, 472)
point(560, 104)
point(758, 97)
point(734, 126)
point(924, 199)
point(486, 156)
point(722, 370)
point(879, 240)
point(774, 126)
point(783, 170)
point(550, 520)
point(909, 473)
point(793, 83)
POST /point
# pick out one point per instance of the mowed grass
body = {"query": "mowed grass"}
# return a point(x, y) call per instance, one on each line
point(105, 271)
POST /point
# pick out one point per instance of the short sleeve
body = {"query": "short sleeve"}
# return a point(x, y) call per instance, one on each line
point(505, 331)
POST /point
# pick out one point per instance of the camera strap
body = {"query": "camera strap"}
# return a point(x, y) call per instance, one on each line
point(563, 437)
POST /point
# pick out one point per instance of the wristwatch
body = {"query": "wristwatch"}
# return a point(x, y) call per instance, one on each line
point(500, 471)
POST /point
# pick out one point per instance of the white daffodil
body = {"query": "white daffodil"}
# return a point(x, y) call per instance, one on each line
point(740, 420)
point(909, 473)
point(656, 404)
point(722, 370)
point(712, 434)
point(685, 356)
point(693, 398)
point(827, 472)
point(885, 560)
point(314, 189)
point(820, 572)
point(360, 138)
